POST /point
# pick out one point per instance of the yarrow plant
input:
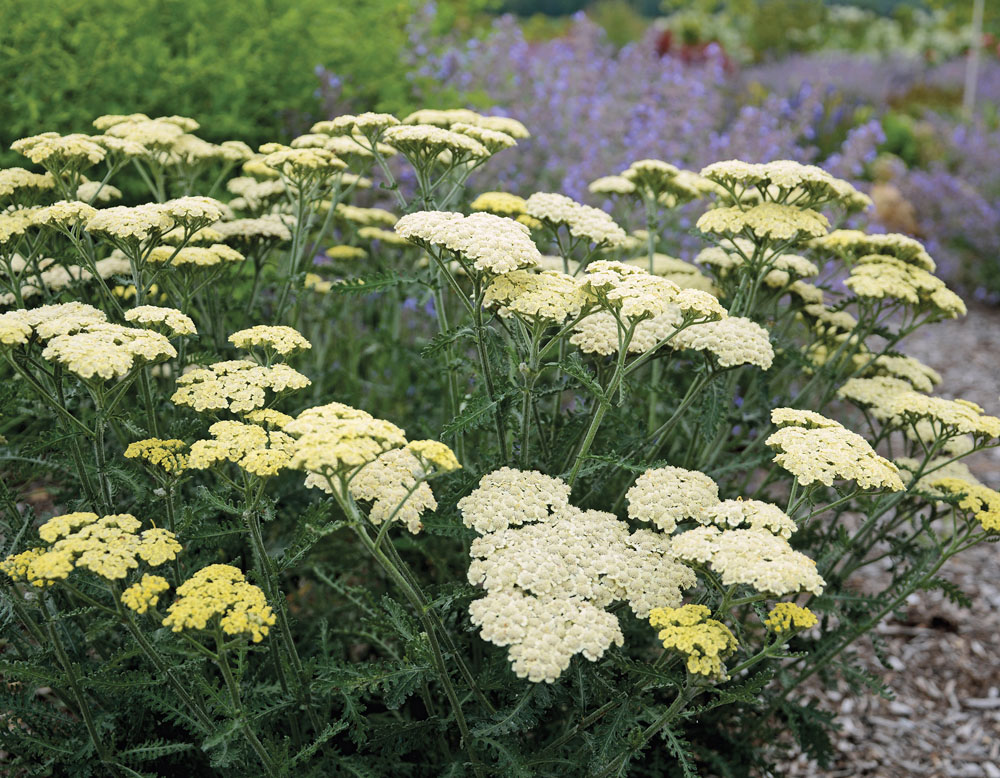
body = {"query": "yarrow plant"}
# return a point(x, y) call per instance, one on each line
point(300, 481)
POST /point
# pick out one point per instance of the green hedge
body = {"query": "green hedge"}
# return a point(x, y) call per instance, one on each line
point(243, 69)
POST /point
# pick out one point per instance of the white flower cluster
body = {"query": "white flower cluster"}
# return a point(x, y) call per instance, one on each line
point(493, 244)
point(582, 221)
point(550, 569)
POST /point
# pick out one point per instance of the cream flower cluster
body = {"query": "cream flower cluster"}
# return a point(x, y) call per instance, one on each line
point(633, 292)
point(278, 338)
point(54, 151)
point(107, 350)
point(195, 256)
point(420, 142)
point(454, 116)
point(981, 502)
point(175, 321)
point(829, 452)
point(951, 417)
point(251, 232)
point(732, 341)
point(878, 276)
point(549, 296)
point(755, 514)
point(658, 180)
point(851, 245)
point(15, 181)
point(784, 180)
point(334, 439)
point(252, 448)
point(767, 221)
point(582, 221)
point(541, 555)
point(394, 484)
point(238, 385)
point(65, 214)
point(666, 496)
point(491, 243)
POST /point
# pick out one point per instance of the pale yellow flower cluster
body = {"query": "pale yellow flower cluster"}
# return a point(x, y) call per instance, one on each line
point(784, 180)
point(368, 217)
point(754, 514)
point(666, 496)
point(582, 221)
point(767, 221)
point(394, 484)
point(258, 451)
point(550, 570)
point(95, 191)
point(277, 338)
point(346, 253)
point(333, 440)
point(167, 454)
point(611, 185)
point(55, 277)
point(500, 203)
point(435, 454)
point(630, 290)
point(348, 123)
point(705, 643)
point(107, 350)
point(108, 546)
point(878, 276)
point(221, 591)
point(951, 417)
point(493, 140)
point(851, 245)
point(788, 617)
point(144, 594)
point(300, 165)
point(56, 152)
point(549, 296)
point(133, 224)
point(492, 244)
point(47, 321)
point(425, 141)
point(65, 214)
point(15, 181)
point(253, 195)
point(657, 180)
point(732, 341)
point(920, 376)
point(175, 321)
point(814, 453)
point(238, 385)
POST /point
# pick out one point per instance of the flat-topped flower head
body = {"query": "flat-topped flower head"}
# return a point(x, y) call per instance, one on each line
point(377, 217)
point(175, 322)
point(169, 455)
point(144, 594)
point(947, 417)
point(705, 643)
point(252, 448)
point(500, 203)
point(544, 634)
point(878, 276)
point(131, 225)
point(808, 185)
point(549, 296)
point(509, 497)
point(649, 574)
point(493, 140)
point(789, 617)
point(422, 143)
point(65, 214)
point(666, 496)
point(611, 185)
point(301, 165)
point(238, 385)
point(108, 350)
point(109, 546)
point(21, 186)
point(827, 453)
point(57, 152)
point(394, 484)
point(631, 291)
point(221, 592)
point(333, 440)
point(17, 568)
point(277, 338)
point(434, 455)
point(489, 243)
point(666, 183)
point(582, 221)
point(732, 341)
point(442, 118)
point(195, 257)
point(851, 245)
point(755, 557)
point(754, 514)
point(979, 501)
point(767, 221)
point(47, 321)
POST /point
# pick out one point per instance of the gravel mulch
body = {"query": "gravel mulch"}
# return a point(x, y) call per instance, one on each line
point(945, 661)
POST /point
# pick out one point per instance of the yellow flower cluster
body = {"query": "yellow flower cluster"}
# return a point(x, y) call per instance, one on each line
point(221, 591)
point(107, 350)
point(95, 191)
point(17, 567)
point(13, 224)
point(581, 221)
point(952, 417)
point(826, 453)
point(493, 140)
point(706, 643)
point(137, 224)
point(248, 234)
point(333, 439)
point(453, 116)
point(258, 451)
point(278, 338)
point(767, 221)
point(631, 291)
point(47, 321)
point(15, 181)
point(54, 151)
point(65, 214)
point(981, 501)
point(787, 616)
point(175, 321)
point(491, 243)
point(108, 546)
point(346, 252)
point(144, 594)
point(301, 164)
point(169, 454)
point(611, 185)
point(435, 454)
point(238, 385)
